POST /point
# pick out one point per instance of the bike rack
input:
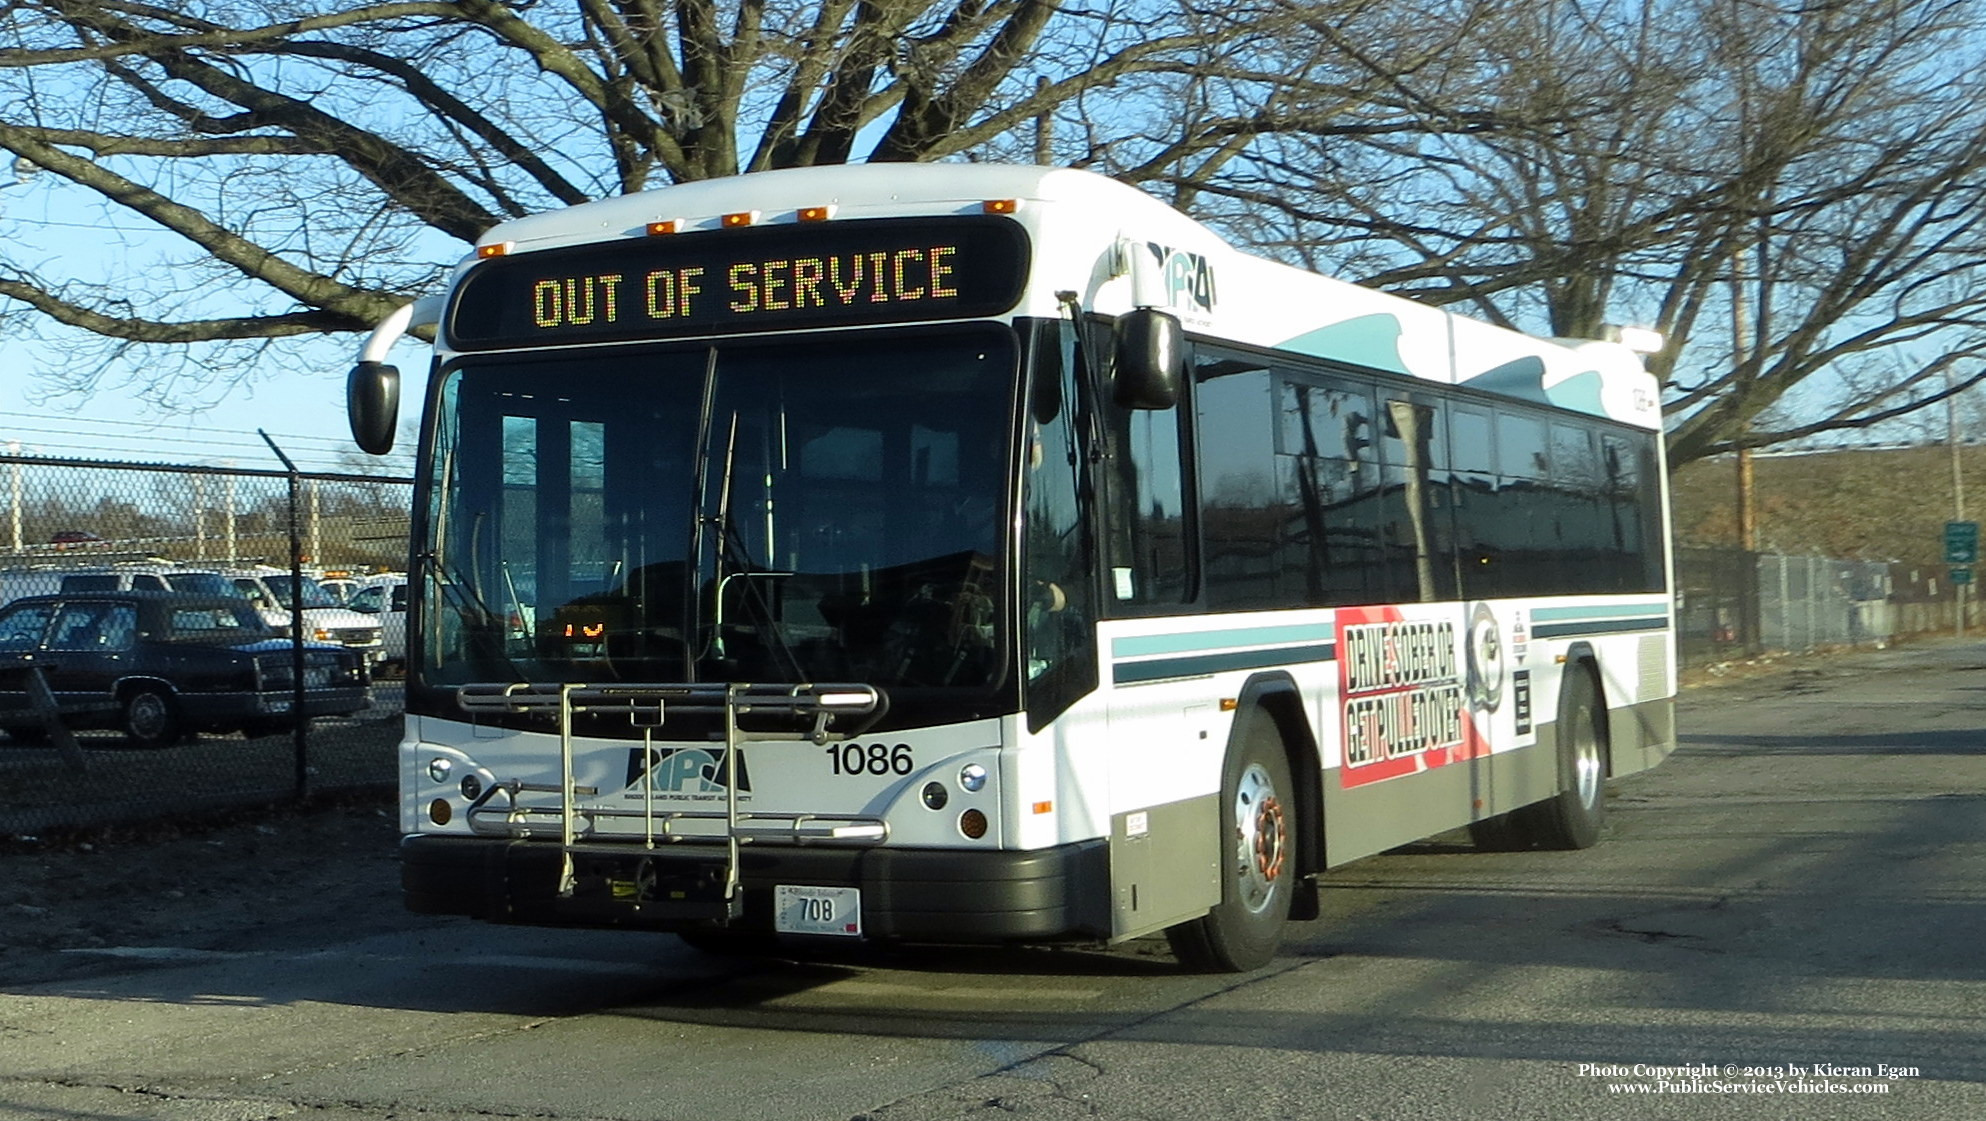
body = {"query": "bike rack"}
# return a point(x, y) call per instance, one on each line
point(819, 713)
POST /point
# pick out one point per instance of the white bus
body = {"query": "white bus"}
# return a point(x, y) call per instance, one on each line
point(942, 553)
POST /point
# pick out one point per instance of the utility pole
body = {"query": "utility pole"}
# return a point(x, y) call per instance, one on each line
point(1746, 514)
point(1958, 480)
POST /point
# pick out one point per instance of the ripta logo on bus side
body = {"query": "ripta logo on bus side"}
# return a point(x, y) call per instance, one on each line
point(691, 772)
point(1189, 278)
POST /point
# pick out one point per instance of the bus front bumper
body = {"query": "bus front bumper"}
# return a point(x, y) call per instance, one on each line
point(919, 895)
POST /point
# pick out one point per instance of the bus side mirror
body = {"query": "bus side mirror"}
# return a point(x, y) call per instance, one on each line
point(372, 404)
point(1150, 359)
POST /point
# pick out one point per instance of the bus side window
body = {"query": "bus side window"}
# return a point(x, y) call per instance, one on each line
point(1523, 504)
point(1150, 561)
point(1578, 521)
point(1419, 534)
point(1057, 566)
point(1244, 499)
point(1328, 466)
point(1480, 536)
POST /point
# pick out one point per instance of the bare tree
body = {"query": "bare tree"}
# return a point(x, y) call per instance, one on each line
point(1791, 191)
point(317, 159)
point(1812, 165)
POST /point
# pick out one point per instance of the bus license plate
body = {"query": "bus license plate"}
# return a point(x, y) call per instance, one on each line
point(801, 909)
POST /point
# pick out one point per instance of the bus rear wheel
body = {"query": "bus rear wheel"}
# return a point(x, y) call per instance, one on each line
point(1572, 819)
point(1258, 868)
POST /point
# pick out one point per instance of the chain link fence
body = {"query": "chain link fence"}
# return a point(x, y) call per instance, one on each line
point(70, 518)
point(1735, 604)
point(79, 525)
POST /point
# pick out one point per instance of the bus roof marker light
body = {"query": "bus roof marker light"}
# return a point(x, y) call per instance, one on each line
point(1001, 206)
point(495, 249)
point(815, 213)
point(741, 219)
point(663, 226)
point(1641, 340)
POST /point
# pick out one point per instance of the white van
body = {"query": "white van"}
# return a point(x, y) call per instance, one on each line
point(269, 590)
point(384, 597)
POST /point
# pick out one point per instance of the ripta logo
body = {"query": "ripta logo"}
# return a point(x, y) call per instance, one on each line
point(685, 770)
point(1189, 279)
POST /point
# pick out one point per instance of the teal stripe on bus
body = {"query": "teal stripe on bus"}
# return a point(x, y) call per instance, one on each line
point(1195, 665)
point(1183, 642)
point(1571, 622)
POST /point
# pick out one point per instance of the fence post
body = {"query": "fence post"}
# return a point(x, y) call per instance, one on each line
point(42, 700)
point(1786, 607)
point(300, 724)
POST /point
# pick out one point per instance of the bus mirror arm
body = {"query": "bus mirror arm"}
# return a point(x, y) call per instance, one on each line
point(372, 390)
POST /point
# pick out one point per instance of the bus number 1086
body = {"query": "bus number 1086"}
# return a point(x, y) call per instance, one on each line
point(870, 759)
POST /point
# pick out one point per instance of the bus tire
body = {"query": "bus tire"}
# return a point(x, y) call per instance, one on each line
point(150, 718)
point(1572, 819)
point(1258, 856)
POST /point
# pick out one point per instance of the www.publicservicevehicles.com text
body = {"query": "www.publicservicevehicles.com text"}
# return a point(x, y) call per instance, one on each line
point(1746, 1078)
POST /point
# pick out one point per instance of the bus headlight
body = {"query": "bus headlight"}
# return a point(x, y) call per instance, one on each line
point(438, 769)
point(972, 778)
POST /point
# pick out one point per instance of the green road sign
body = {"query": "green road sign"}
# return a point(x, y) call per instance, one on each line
point(1961, 576)
point(1961, 544)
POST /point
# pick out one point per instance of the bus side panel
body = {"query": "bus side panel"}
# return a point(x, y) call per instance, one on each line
point(1641, 714)
point(1164, 865)
point(1361, 821)
point(1640, 735)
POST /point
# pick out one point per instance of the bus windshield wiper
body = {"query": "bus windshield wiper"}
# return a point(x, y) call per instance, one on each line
point(486, 629)
point(734, 561)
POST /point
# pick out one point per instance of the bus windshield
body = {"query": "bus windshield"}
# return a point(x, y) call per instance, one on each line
point(820, 509)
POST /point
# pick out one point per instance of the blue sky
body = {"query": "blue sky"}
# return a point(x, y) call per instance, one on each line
point(297, 394)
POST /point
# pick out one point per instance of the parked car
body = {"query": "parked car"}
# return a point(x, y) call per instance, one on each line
point(135, 577)
point(385, 599)
point(158, 665)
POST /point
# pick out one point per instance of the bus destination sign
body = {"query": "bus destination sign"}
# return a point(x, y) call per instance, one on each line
point(763, 278)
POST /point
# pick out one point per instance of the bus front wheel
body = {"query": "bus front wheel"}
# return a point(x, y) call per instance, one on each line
point(1258, 867)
